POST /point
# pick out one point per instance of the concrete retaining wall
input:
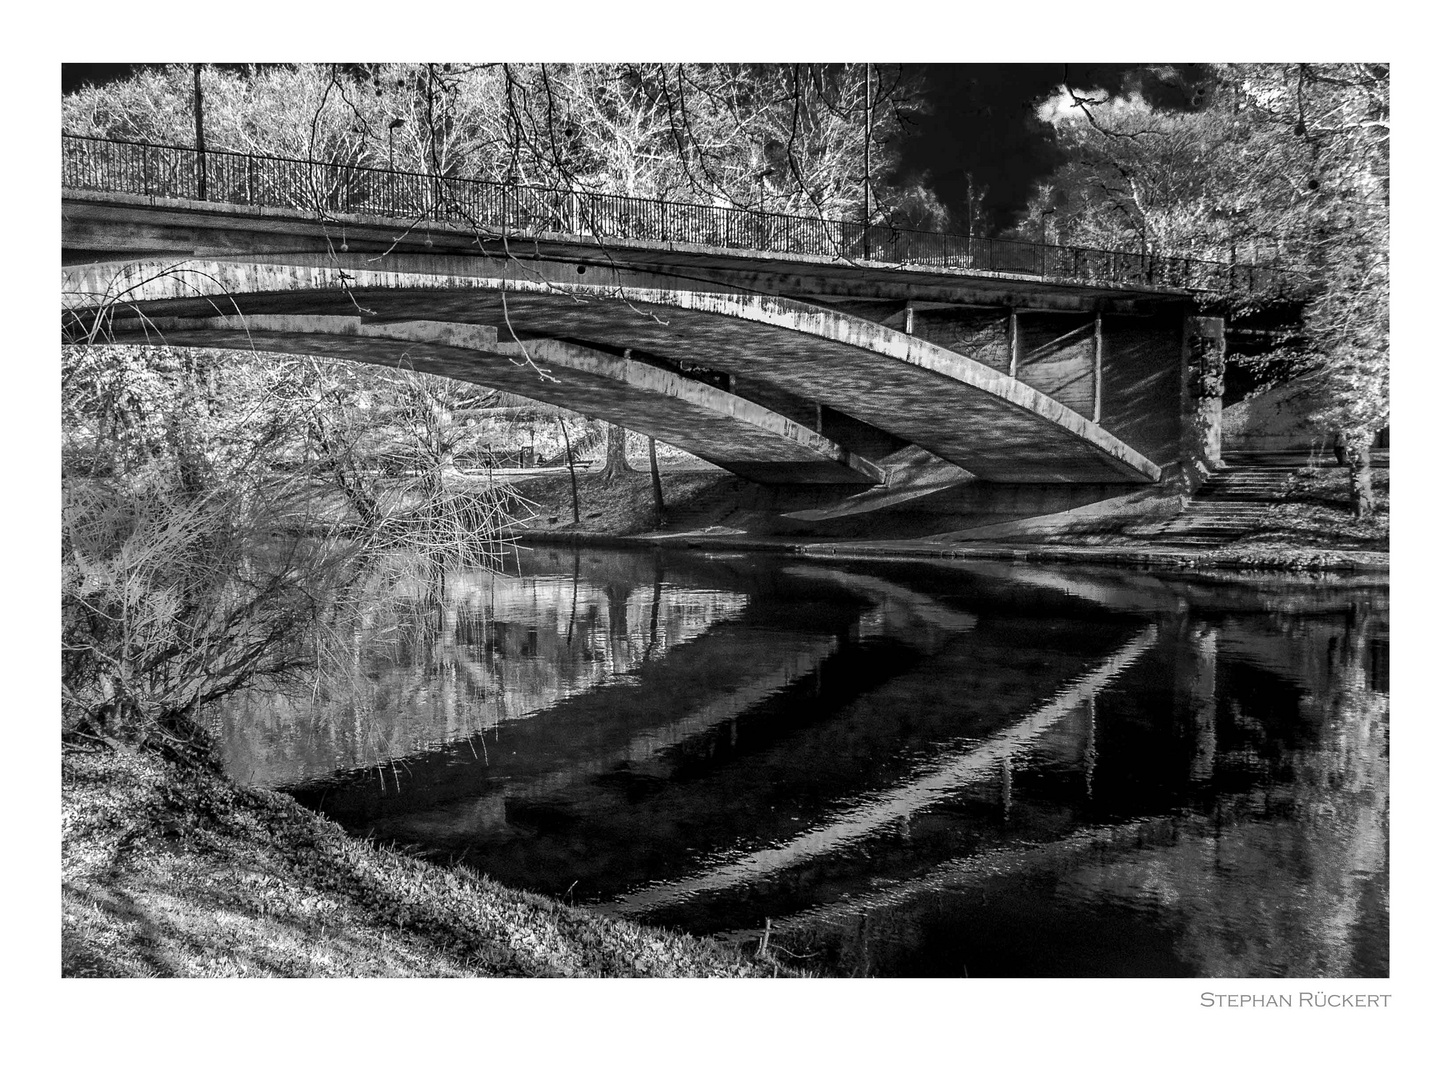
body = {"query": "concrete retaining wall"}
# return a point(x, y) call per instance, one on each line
point(1056, 357)
point(1141, 383)
point(980, 335)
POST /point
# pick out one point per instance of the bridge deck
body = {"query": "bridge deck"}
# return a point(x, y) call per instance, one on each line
point(335, 191)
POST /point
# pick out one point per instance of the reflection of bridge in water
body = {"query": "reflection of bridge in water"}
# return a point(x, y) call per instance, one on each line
point(855, 751)
point(781, 688)
point(495, 649)
point(624, 694)
point(880, 810)
point(1193, 878)
point(748, 666)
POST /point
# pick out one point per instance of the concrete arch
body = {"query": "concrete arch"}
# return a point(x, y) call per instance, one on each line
point(963, 411)
point(711, 423)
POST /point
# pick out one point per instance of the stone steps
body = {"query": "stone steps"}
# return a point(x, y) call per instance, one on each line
point(1231, 503)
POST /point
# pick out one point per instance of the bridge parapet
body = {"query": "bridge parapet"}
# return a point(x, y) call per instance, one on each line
point(333, 191)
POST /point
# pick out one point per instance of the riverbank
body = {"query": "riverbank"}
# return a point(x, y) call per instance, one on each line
point(169, 870)
point(1304, 526)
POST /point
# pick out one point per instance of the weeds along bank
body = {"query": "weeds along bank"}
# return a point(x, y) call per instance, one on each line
point(173, 870)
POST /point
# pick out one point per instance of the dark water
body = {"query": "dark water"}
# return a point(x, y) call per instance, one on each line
point(937, 769)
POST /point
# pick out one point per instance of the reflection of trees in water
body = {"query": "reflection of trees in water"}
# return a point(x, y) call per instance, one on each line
point(1327, 874)
point(1289, 877)
point(436, 658)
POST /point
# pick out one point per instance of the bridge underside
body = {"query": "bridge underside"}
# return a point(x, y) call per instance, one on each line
point(713, 424)
point(777, 368)
point(710, 366)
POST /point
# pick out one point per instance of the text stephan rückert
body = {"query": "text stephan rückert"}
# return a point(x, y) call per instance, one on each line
point(1306, 999)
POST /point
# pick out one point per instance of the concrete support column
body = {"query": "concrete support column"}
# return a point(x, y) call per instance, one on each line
point(1097, 367)
point(1013, 343)
point(1202, 396)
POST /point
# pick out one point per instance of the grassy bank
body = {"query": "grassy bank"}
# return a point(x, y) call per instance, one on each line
point(171, 870)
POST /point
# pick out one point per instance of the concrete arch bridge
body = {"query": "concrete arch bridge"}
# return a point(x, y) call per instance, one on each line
point(878, 379)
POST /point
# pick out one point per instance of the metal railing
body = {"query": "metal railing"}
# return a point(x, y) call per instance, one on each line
point(327, 189)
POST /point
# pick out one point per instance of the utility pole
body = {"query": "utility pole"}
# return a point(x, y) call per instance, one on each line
point(201, 149)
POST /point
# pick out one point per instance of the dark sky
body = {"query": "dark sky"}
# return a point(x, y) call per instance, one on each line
point(74, 76)
point(981, 121)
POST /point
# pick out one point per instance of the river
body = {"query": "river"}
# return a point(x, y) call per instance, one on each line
point(937, 768)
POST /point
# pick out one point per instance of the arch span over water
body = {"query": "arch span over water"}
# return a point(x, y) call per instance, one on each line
point(996, 426)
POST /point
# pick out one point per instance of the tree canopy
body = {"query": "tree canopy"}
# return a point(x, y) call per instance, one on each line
point(1282, 163)
point(816, 139)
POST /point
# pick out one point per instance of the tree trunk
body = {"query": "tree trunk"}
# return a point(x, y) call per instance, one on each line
point(339, 459)
point(569, 457)
point(615, 463)
point(438, 442)
point(1362, 492)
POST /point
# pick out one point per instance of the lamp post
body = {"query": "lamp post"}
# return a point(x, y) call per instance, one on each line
point(1043, 225)
point(396, 123)
point(1043, 240)
point(201, 148)
point(763, 223)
